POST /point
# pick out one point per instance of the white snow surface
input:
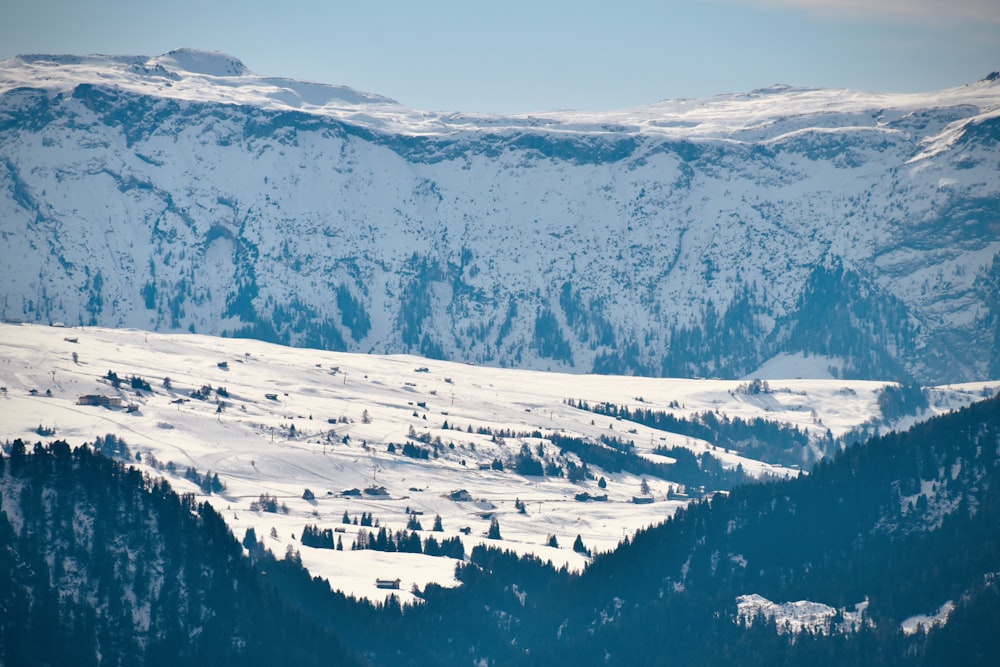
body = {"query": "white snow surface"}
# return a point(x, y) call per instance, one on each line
point(925, 622)
point(800, 616)
point(182, 194)
point(250, 444)
point(798, 365)
point(209, 76)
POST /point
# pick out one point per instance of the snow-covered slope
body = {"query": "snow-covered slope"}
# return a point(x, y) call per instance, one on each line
point(332, 416)
point(691, 237)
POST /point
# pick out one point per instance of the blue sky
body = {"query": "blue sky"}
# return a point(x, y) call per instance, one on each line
point(523, 55)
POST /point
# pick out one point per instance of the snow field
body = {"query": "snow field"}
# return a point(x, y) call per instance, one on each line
point(314, 434)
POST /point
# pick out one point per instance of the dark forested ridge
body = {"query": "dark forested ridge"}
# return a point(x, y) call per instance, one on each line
point(101, 565)
point(904, 523)
point(758, 438)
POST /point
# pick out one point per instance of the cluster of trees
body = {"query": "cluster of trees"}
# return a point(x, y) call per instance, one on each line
point(526, 464)
point(294, 323)
point(405, 541)
point(134, 381)
point(840, 314)
point(112, 446)
point(410, 450)
point(702, 470)
point(318, 538)
point(757, 438)
point(210, 483)
point(205, 391)
point(727, 344)
point(548, 339)
point(367, 519)
point(268, 503)
point(613, 455)
point(895, 401)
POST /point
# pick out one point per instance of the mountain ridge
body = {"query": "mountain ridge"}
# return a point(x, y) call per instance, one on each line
point(674, 239)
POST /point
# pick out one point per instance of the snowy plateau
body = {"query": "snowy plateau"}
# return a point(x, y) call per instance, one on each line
point(687, 238)
point(272, 421)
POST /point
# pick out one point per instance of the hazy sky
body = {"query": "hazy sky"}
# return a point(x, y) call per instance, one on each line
point(538, 55)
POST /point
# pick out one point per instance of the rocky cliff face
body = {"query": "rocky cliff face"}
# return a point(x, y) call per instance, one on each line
point(685, 238)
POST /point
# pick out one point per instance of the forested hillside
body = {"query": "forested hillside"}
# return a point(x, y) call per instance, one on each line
point(100, 565)
point(883, 533)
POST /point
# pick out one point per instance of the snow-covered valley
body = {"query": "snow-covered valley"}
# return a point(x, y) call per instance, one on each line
point(275, 421)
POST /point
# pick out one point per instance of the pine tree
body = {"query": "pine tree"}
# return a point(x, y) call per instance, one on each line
point(250, 538)
point(494, 532)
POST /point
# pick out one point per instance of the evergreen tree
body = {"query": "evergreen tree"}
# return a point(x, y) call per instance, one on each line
point(250, 538)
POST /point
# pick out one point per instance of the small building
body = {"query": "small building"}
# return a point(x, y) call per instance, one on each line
point(642, 500)
point(271, 397)
point(390, 584)
point(98, 400)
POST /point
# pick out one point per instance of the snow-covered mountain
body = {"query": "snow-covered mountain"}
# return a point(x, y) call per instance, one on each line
point(413, 438)
point(692, 237)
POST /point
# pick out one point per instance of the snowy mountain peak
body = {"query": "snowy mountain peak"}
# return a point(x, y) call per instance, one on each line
point(775, 89)
point(195, 61)
point(694, 237)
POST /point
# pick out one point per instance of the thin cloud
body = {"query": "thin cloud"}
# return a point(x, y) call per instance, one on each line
point(912, 11)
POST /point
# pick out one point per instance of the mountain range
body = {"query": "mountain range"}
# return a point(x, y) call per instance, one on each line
point(686, 238)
